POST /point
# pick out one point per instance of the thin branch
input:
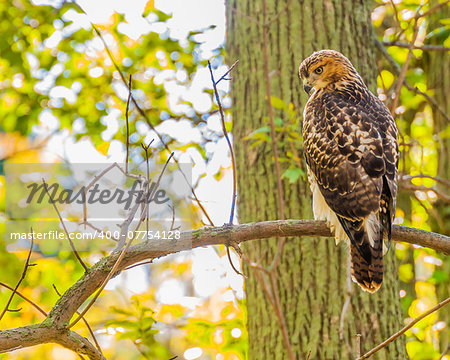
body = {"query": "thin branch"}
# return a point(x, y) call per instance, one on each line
point(64, 227)
point(128, 128)
point(38, 308)
point(425, 176)
point(232, 265)
point(358, 345)
point(225, 133)
point(24, 273)
point(348, 299)
point(406, 328)
point(414, 89)
point(417, 47)
point(412, 187)
point(124, 250)
point(223, 77)
point(139, 264)
point(402, 75)
point(396, 14)
point(147, 120)
point(432, 9)
point(429, 98)
point(252, 19)
point(230, 146)
point(277, 16)
point(273, 132)
point(281, 317)
point(147, 203)
point(271, 117)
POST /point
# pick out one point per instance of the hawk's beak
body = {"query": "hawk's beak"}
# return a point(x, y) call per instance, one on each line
point(307, 88)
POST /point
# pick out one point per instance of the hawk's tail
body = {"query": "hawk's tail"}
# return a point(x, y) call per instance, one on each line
point(368, 276)
point(366, 252)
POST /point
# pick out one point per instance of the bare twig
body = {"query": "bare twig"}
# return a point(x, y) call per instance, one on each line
point(223, 77)
point(438, 179)
point(139, 264)
point(225, 133)
point(406, 328)
point(358, 345)
point(402, 75)
point(273, 133)
point(232, 265)
point(432, 9)
point(348, 298)
point(412, 187)
point(414, 89)
point(128, 128)
point(124, 250)
point(281, 318)
point(429, 98)
point(230, 146)
point(147, 120)
point(417, 47)
point(64, 227)
point(147, 203)
point(38, 308)
point(271, 116)
point(252, 19)
point(270, 294)
point(277, 16)
point(396, 14)
point(24, 273)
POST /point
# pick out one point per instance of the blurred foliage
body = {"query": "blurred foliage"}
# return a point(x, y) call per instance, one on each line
point(59, 76)
point(424, 141)
point(56, 76)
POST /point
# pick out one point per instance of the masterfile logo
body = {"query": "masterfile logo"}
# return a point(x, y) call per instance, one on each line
point(97, 205)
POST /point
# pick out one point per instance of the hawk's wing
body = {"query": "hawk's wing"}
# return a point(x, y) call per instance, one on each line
point(350, 146)
point(350, 143)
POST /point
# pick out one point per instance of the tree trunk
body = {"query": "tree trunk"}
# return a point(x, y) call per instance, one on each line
point(310, 278)
point(437, 67)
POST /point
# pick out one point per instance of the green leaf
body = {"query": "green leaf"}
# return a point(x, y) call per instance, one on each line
point(277, 103)
point(278, 122)
point(293, 174)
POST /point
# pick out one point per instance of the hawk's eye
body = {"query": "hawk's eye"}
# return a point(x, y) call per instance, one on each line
point(319, 70)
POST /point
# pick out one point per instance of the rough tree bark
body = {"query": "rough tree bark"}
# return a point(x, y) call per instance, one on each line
point(437, 66)
point(311, 276)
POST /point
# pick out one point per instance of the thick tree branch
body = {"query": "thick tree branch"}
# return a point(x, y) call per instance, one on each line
point(59, 317)
point(27, 336)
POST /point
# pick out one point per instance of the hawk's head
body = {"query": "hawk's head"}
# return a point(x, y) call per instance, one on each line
point(323, 68)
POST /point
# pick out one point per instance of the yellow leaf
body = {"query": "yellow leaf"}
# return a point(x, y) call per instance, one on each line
point(103, 148)
point(149, 7)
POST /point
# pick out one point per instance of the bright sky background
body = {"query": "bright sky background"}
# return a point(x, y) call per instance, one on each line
point(210, 271)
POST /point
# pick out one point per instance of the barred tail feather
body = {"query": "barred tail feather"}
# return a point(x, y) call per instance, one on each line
point(366, 251)
point(368, 277)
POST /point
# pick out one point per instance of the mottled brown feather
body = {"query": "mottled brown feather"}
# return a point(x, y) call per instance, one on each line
point(351, 148)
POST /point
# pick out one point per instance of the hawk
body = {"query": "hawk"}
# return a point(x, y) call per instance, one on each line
point(351, 149)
